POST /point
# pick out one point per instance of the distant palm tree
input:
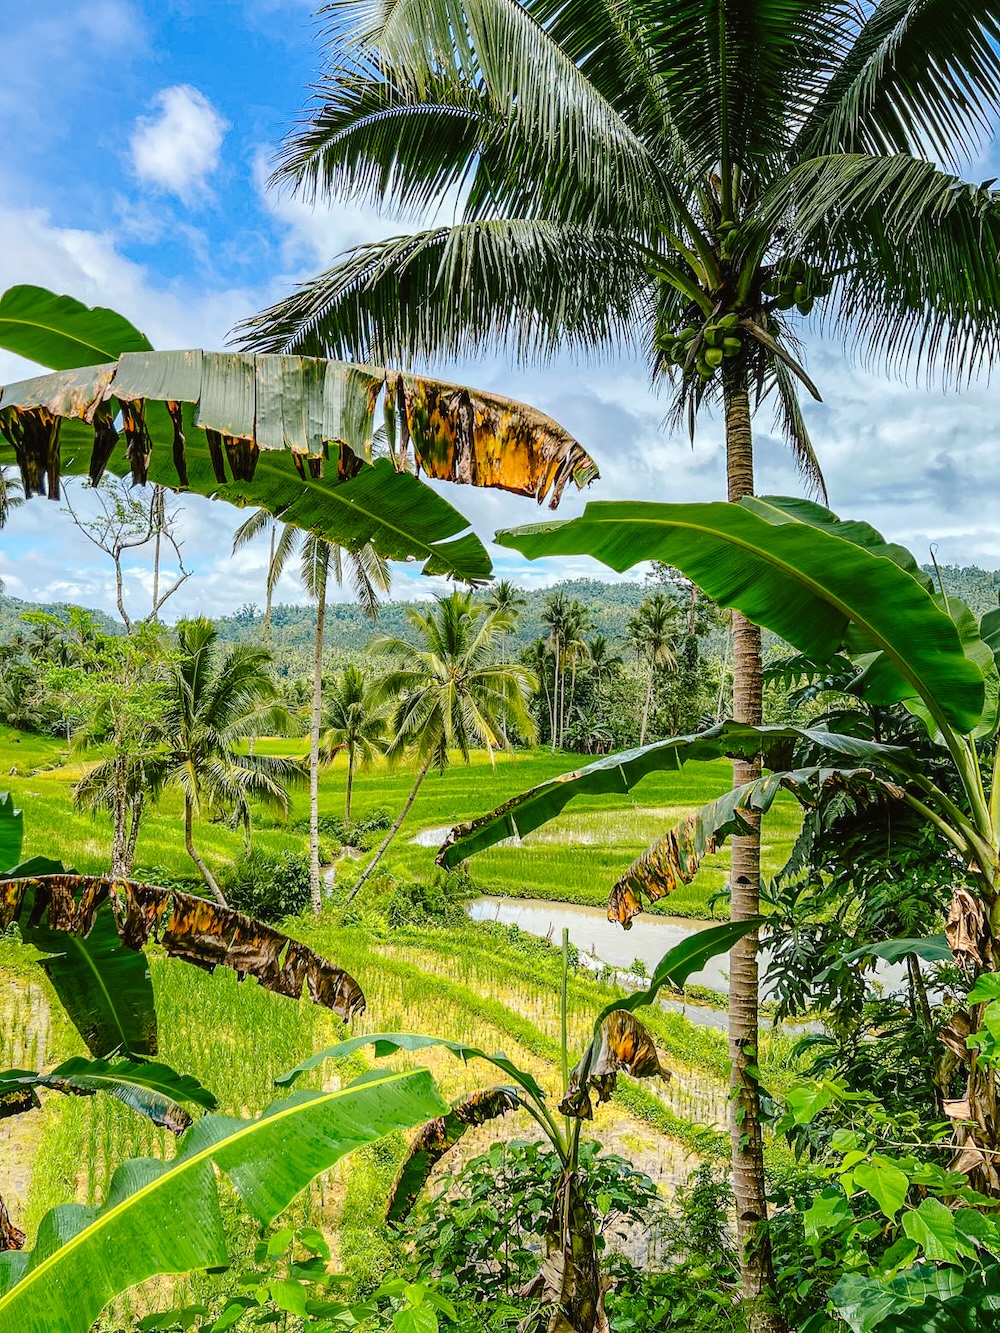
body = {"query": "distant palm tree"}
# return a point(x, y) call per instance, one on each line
point(451, 692)
point(354, 722)
point(216, 701)
point(370, 576)
point(604, 664)
point(651, 632)
point(10, 493)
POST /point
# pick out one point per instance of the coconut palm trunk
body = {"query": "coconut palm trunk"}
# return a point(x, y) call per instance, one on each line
point(195, 856)
point(366, 873)
point(646, 705)
point(315, 723)
point(350, 784)
point(749, 1189)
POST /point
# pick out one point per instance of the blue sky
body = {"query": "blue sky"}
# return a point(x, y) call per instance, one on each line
point(137, 142)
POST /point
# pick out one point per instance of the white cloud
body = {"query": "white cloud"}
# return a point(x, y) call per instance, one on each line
point(178, 147)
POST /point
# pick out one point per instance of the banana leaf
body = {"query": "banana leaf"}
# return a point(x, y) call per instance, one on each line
point(94, 929)
point(164, 1217)
point(811, 583)
point(60, 332)
point(619, 773)
point(437, 1138)
point(153, 1090)
point(11, 831)
point(292, 435)
point(675, 859)
point(387, 1043)
point(620, 1043)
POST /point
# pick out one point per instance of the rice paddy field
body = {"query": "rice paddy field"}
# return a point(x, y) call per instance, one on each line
point(484, 983)
point(576, 858)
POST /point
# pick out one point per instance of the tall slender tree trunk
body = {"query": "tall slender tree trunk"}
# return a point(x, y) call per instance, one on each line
point(136, 806)
point(315, 886)
point(192, 851)
point(350, 784)
point(749, 1190)
point(393, 831)
point(269, 592)
point(119, 821)
point(645, 707)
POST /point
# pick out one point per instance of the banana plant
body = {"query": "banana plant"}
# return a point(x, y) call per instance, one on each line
point(569, 1280)
point(839, 594)
point(164, 1217)
point(292, 435)
point(90, 932)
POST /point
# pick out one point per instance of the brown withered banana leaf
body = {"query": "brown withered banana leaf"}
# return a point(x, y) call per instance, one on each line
point(94, 929)
point(292, 435)
point(625, 1044)
point(437, 1138)
point(484, 439)
point(675, 859)
point(11, 1237)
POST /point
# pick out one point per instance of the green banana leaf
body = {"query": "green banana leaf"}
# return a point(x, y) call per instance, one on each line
point(437, 1138)
point(93, 931)
point(812, 584)
point(619, 773)
point(153, 1090)
point(387, 1043)
point(676, 858)
point(61, 333)
point(11, 831)
point(164, 1217)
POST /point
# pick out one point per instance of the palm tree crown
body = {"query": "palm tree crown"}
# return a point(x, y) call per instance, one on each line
point(353, 722)
point(683, 177)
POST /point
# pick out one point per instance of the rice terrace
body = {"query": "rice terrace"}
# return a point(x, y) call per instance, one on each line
point(500, 667)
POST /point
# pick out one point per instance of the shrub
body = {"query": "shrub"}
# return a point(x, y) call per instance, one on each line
point(269, 886)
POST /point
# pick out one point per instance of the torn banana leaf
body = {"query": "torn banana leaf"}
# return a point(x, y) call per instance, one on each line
point(625, 1044)
point(819, 583)
point(619, 773)
point(292, 435)
point(437, 1138)
point(94, 929)
point(676, 858)
point(165, 1217)
point(483, 439)
point(153, 1090)
point(388, 1043)
point(11, 1237)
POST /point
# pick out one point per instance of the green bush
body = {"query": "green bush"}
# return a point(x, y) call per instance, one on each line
point(269, 886)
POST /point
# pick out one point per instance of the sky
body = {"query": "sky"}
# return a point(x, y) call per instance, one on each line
point(138, 138)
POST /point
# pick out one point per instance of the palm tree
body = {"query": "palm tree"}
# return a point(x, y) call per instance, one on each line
point(370, 575)
point(260, 521)
point(687, 178)
point(603, 664)
point(451, 693)
point(214, 702)
point(651, 632)
point(353, 722)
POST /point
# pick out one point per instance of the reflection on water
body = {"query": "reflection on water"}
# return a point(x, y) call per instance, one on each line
point(592, 932)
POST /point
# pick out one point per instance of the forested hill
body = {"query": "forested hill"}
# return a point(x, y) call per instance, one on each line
point(348, 631)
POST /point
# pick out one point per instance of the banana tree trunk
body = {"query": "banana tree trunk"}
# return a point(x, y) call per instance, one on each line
point(192, 851)
point(392, 832)
point(569, 1285)
point(11, 1237)
point(749, 1187)
point(315, 886)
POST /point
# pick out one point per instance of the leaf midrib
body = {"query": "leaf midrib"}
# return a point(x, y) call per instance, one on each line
point(178, 1168)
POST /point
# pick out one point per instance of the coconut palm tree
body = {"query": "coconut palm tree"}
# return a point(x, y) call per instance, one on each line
point(353, 722)
point(370, 576)
point(451, 693)
point(651, 634)
point(688, 178)
point(214, 702)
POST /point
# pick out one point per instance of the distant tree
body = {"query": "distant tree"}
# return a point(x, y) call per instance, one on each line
point(355, 722)
point(370, 576)
point(214, 702)
point(450, 692)
point(651, 632)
